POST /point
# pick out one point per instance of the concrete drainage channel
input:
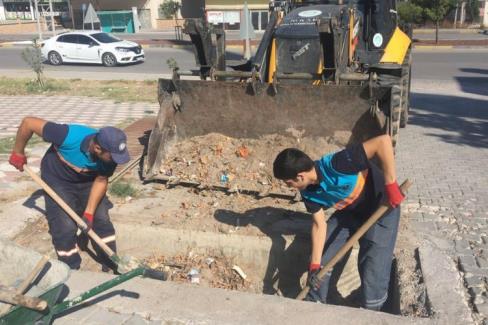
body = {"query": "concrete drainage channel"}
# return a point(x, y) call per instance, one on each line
point(425, 286)
point(275, 265)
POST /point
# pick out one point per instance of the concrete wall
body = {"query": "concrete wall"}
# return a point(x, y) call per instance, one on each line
point(168, 23)
point(18, 27)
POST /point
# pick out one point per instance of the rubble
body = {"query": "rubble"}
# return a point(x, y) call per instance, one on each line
point(215, 272)
point(215, 159)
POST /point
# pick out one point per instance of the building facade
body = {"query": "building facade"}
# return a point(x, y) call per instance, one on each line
point(228, 13)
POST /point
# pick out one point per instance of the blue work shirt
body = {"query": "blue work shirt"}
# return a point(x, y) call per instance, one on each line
point(347, 181)
point(68, 160)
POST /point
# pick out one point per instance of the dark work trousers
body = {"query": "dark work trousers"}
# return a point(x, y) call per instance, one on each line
point(375, 255)
point(63, 229)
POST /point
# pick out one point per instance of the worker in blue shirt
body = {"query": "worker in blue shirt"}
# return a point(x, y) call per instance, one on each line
point(350, 183)
point(77, 166)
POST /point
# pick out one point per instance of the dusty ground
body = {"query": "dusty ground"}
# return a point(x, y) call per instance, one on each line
point(186, 208)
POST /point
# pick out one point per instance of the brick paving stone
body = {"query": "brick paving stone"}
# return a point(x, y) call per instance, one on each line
point(467, 262)
point(474, 281)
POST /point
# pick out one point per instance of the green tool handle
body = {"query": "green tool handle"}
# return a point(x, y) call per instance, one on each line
point(350, 243)
point(65, 305)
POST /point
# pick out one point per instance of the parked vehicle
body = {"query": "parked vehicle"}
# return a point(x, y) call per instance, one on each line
point(90, 47)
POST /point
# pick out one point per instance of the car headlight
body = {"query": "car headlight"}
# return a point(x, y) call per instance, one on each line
point(122, 49)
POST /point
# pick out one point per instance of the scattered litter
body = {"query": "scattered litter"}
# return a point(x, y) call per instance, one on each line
point(240, 272)
point(214, 271)
point(194, 276)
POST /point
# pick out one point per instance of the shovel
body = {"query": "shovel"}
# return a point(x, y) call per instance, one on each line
point(124, 263)
point(382, 209)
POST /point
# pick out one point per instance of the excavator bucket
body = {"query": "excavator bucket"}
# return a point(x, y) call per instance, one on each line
point(192, 108)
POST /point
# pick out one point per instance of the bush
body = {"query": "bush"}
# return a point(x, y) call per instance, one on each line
point(122, 189)
point(409, 13)
point(33, 57)
point(169, 8)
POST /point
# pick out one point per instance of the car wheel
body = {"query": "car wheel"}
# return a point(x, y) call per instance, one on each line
point(109, 60)
point(54, 58)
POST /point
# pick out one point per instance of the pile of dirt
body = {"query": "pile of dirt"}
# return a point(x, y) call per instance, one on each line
point(215, 159)
point(214, 272)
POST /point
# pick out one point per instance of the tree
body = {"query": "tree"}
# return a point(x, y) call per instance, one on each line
point(409, 12)
point(33, 57)
point(169, 9)
point(436, 10)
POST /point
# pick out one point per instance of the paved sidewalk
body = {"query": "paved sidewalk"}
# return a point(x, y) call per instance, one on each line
point(63, 109)
point(444, 150)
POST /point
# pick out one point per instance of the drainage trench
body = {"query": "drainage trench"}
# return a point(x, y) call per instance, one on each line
point(270, 265)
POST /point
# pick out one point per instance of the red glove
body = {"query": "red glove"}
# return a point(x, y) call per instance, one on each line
point(17, 160)
point(88, 218)
point(313, 267)
point(395, 195)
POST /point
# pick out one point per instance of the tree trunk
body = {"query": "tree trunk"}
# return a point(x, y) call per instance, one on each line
point(455, 16)
point(437, 31)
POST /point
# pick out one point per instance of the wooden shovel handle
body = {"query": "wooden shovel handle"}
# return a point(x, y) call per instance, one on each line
point(81, 224)
point(12, 297)
point(350, 243)
point(28, 280)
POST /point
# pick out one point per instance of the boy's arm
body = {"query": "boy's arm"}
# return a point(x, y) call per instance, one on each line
point(319, 232)
point(382, 148)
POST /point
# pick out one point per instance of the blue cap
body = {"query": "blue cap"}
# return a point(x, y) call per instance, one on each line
point(114, 141)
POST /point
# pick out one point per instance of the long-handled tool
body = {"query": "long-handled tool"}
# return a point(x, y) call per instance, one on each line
point(12, 297)
point(354, 239)
point(16, 296)
point(124, 263)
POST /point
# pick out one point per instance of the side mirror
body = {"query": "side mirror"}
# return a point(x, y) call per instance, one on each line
point(92, 44)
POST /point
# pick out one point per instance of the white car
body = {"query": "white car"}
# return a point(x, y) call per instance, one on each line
point(90, 47)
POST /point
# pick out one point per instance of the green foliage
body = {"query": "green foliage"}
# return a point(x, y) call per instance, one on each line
point(172, 64)
point(409, 12)
point(169, 8)
point(33, 57)
point(436, 10)
point(122, 189)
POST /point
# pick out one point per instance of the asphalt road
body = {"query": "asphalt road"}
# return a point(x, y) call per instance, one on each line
point(449, 65)
point(155, 64)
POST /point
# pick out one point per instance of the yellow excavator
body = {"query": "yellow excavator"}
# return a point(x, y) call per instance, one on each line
point(322, 68)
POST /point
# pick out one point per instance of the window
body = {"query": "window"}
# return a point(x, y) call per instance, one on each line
point(82, 39)
point(72, 38)
point(105, 38)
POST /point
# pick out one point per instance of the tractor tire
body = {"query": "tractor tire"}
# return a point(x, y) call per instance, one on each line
point(406, 83)
point(54, 58)
point(109, 60)
point(395, 112)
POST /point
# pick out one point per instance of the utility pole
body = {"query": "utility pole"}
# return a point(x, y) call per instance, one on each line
point(455, 15)
point(36, 10)
point(463, 13)
point(71, 13)
point(53, 28)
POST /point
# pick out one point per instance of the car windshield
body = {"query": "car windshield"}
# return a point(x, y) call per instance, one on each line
point(105, 38)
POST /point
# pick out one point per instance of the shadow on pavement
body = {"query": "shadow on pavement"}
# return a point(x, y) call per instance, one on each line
point(474, 85)
point(474, 70)
point(464, 120)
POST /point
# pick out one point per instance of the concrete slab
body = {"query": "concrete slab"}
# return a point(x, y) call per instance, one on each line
point(14, 217)
point(445, 289)
point(180, 303)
